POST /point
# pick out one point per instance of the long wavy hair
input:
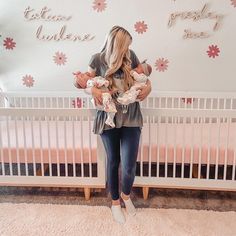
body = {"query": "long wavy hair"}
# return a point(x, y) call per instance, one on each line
point(116, 55)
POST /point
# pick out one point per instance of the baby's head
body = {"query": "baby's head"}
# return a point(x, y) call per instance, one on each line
point(144, 68)
point(81, 79)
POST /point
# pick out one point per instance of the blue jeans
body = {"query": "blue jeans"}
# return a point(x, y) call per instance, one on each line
point(121, 144)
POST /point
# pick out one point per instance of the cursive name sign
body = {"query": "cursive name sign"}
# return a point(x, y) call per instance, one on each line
point(45, 15)
point(61, 36)
point(196, 16)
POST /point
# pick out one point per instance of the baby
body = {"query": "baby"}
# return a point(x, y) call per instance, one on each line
point(140, 75)
point(107, 103)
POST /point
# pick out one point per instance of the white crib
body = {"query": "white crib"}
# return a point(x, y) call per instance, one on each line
point(188, 141)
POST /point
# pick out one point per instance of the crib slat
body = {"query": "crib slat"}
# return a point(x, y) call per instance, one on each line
point(90, 147)
point(57, 146)
point(17, 146)
point(226, 149)
point(234, 162)
point(81, 146)
point(208, 149)
point(63, 102)
point(200, 152)
point(33, 145)
point(14, 102)
point(166, 145)
point(25, 151)
point(65, 143)
point(205, 104)
point(50, 102)
point(141, 160)
point(191, 150)
point(149, 147)
point(175, 138)
point(73, 143)
point(218, 150)
point(183, 148)
point(158, 147)
point(9, 146)
point(41, 145)
point(49, 145)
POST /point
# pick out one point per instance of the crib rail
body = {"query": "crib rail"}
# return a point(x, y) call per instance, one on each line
point(161, 99)
point(191, 100)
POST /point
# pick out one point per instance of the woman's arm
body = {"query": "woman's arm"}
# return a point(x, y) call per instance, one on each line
point(145, 90)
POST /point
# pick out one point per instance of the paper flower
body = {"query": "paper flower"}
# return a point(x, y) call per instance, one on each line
point(77, 103)
point(233, 2)
point(140, 27)
point(9, 43)
point(213, 51)
point(99, 5)
point(28, 81)
point(161, 64)
point(188, 100)
point(59, 58)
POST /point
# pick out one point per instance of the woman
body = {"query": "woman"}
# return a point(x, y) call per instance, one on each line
point(121, 143)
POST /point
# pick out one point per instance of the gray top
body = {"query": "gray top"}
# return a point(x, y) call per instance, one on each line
point(129, 116)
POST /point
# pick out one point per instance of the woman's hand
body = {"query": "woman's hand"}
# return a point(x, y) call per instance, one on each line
point(145, 90)
point(97, 95)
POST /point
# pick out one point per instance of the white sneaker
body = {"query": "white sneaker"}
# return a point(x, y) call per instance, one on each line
point(118, 214)
point(130, 208)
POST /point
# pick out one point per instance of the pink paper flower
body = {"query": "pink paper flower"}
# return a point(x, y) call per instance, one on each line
point(188, 100)
point(140, 27)
point(233, 2)
point(161, 64)
point(77, 103)
point(99, 5)
point(28, 81)
point(9, 43)
point(213, 51)
point(60, 58)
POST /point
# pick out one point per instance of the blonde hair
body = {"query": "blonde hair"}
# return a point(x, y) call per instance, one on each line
point(116, 54)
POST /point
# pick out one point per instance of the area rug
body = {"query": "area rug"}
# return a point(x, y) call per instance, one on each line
point(53, 219)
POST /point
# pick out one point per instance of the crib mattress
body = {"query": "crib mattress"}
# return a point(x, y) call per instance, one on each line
point(158, 143)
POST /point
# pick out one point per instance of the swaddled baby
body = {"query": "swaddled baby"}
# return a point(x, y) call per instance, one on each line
point(107, 103)
point(140, 75)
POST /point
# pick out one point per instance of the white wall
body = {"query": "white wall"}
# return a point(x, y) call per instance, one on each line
point(189, 66)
